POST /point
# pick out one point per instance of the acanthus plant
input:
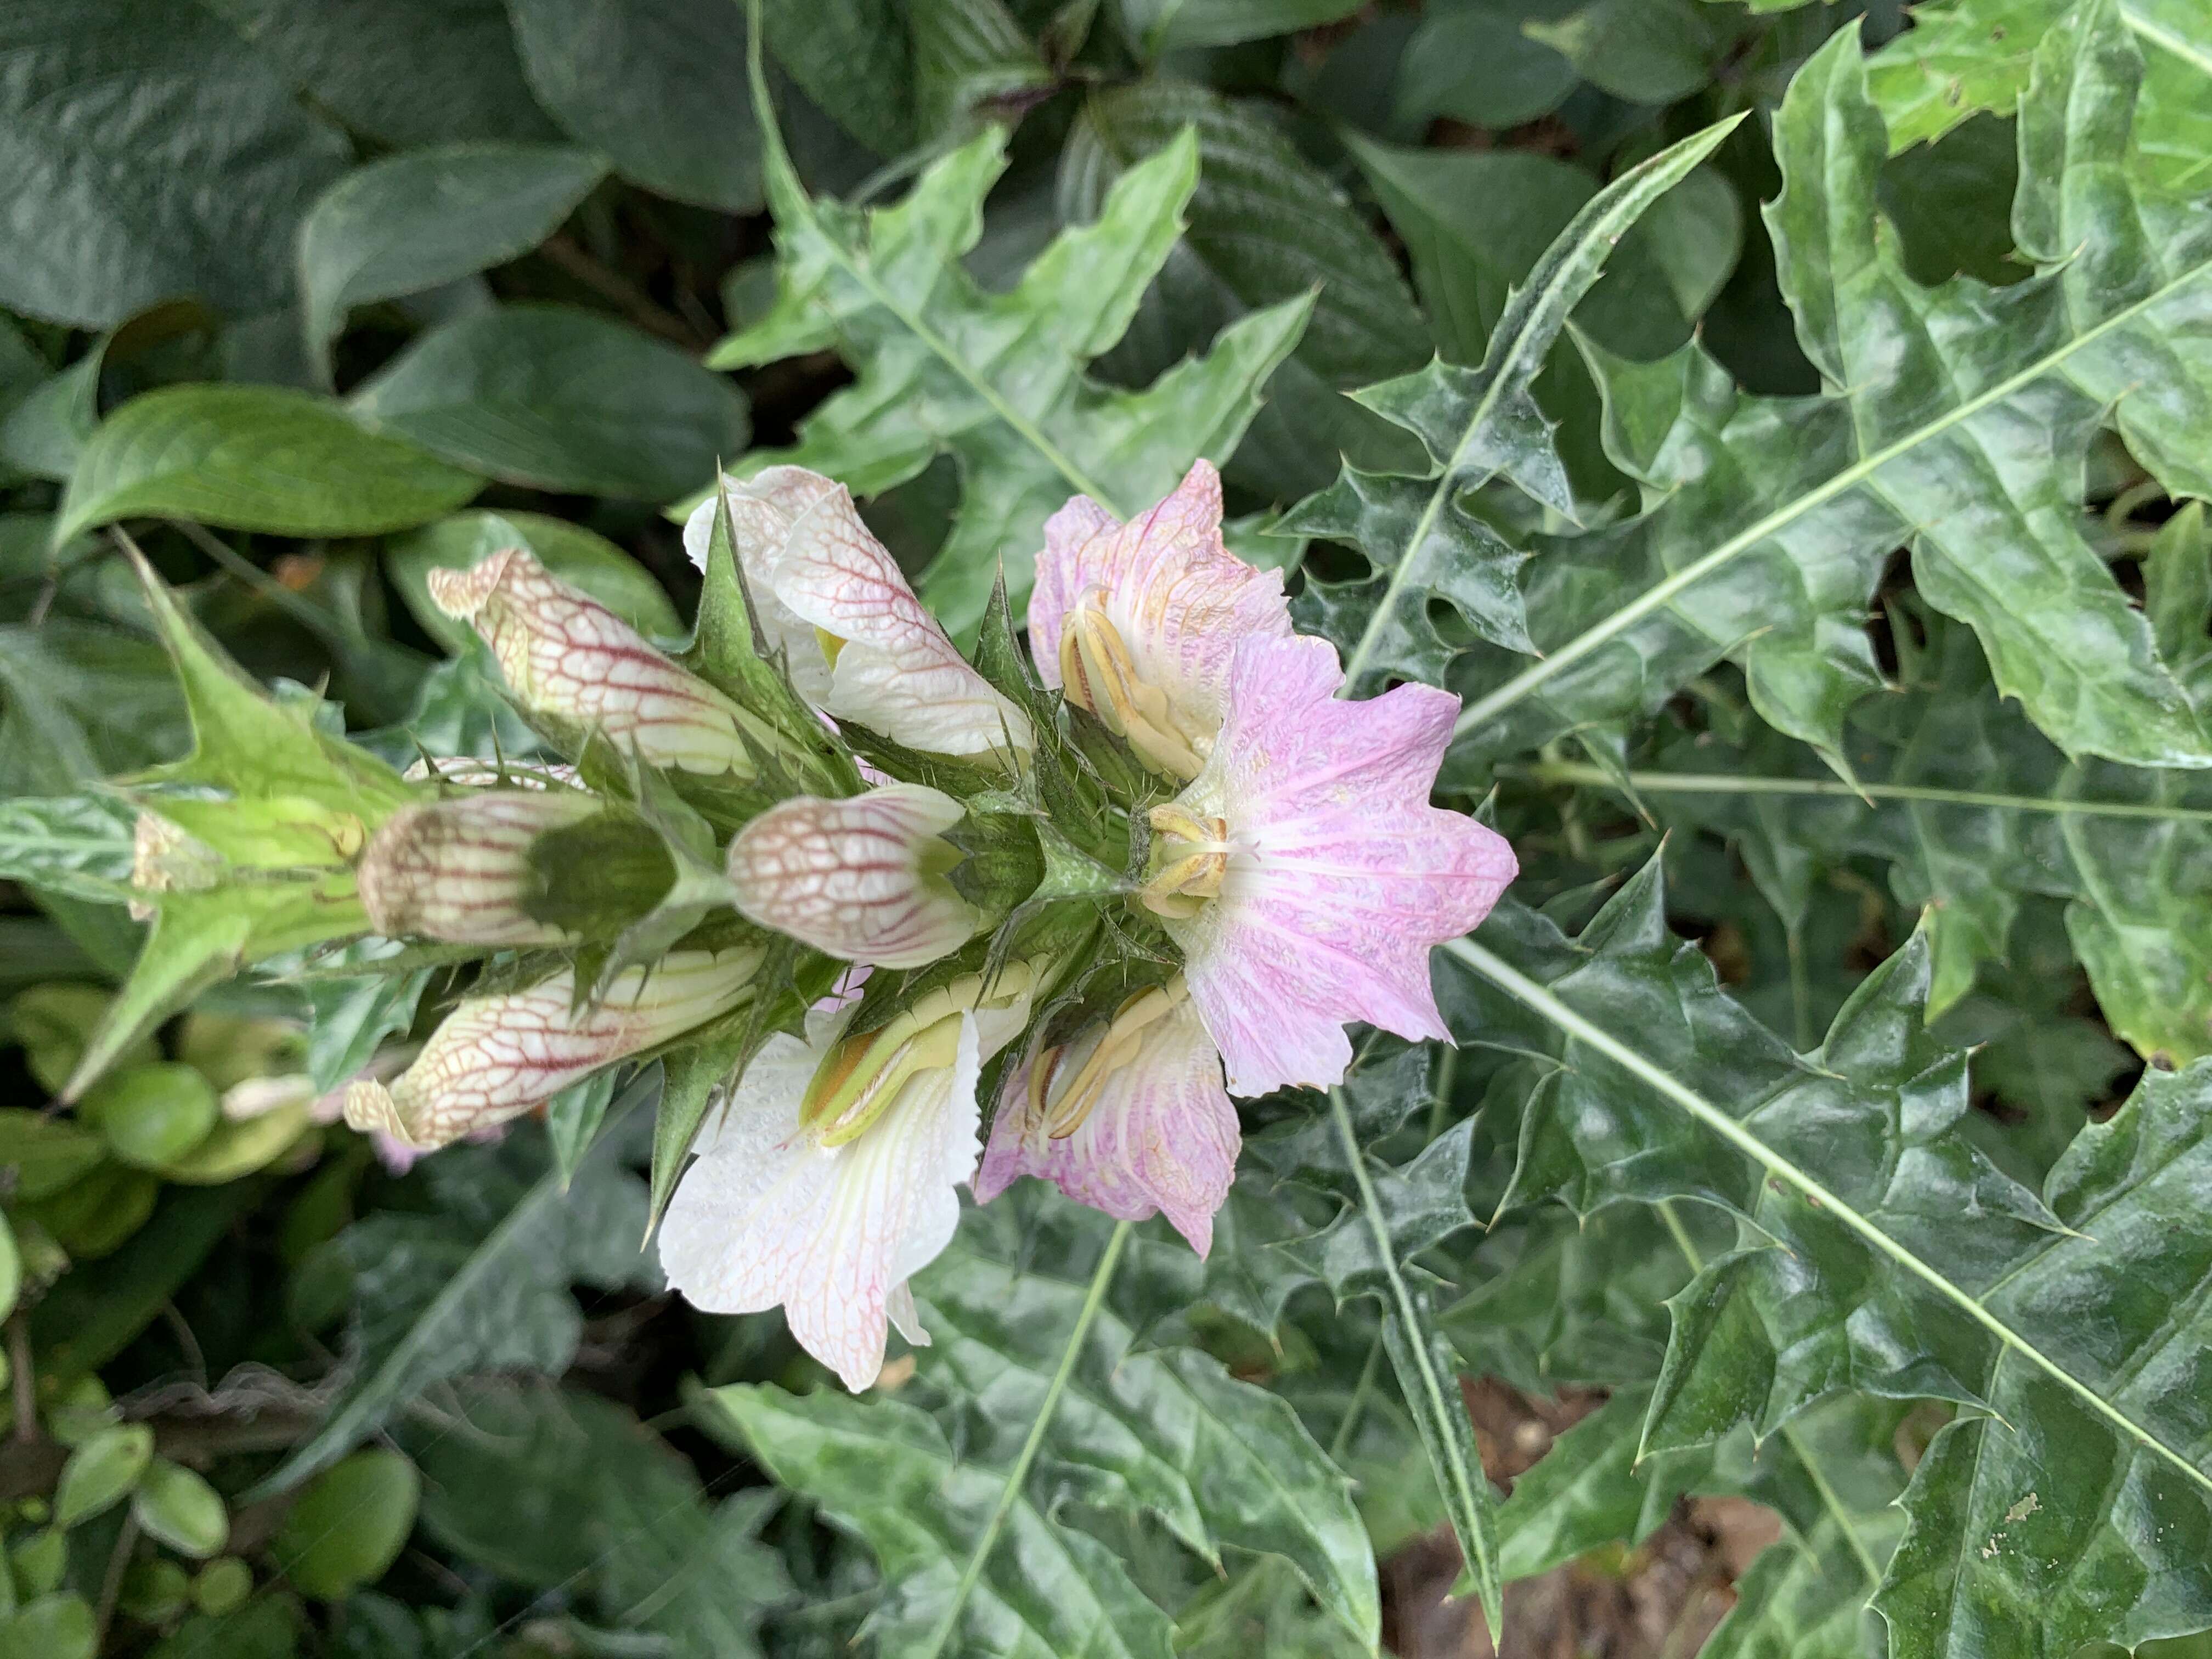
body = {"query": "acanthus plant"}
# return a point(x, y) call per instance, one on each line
point(893, 917)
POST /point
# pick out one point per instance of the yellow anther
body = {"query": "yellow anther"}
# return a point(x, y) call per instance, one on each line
point(1189, 861)
point(1066, 1082)
point(1097, 674)
point(862, 1075)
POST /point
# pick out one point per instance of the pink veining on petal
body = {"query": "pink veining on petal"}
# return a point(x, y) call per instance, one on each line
point(1342, 877)
point(1181, 601)
point(496, 1057)
point(765, 1217)
point(1163, 1138)
point(566, 655)
point(822, 580)
point(847, 877)
point(761, 510)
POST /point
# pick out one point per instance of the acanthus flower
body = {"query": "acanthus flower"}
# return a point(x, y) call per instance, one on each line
point(856, 641)
point(1304, 875)
point(1138, 622)
point(496, 1057)
point(862, 879)
point(1130, 1117)
point(829, 1180)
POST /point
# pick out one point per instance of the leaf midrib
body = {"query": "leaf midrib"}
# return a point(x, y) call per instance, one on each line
point(1731, 783)
point(1540, 999)
point(1018, 1474)
point(1496, 702)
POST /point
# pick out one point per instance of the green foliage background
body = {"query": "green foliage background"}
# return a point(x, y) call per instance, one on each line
point(1786, 426)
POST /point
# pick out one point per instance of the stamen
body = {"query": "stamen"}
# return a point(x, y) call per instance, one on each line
point(1097, 674)
point(1190, 860)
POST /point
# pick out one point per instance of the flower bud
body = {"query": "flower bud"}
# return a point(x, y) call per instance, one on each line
point(566, 656)
point(461, 870)
point(497, 1057)
point(862, 879)
point(863, 1075)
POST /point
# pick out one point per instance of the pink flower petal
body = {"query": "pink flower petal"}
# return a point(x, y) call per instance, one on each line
point(1342, 876)
point(1162, 1138)
point(1181, 601)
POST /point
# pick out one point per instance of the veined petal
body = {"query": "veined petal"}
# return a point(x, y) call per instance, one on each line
point(765, 1216)
point(1162, 1136)
point(859, 878)
point(460, 870)
point(862, 647)
point(497, 1057)
point(566, 655)
point(1340, 876)
point(762, 510)
point(1178, 600)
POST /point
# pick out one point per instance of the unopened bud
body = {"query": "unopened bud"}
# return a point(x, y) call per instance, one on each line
point(498, 1057)
point(1097, 673)
point(461, 870)
point(1189, 862)
point(862, 879)
point(567, 656)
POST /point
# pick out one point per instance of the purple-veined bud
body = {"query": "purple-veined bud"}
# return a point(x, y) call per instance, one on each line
point(461, 870)
point(567, 656)
point(497, 1057)
point(862, 879)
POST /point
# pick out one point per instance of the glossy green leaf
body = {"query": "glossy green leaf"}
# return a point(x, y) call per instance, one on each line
point(255, 458)
point(413, 220)
point(404, 72)
point(855, 59)
point(481, 1284)
point(563, 1491)
point(1266, 226)
point(1477, 424)
point(656, 86)
point(147, 152)
point(175, 1507)
point(997, 380)
point(1155, 26)
point(1474, 63)
point(970, 1548)
point(100, 1473)
point(1851, 1171)
point(970, 57)
point(1768, 519)
point(50, 1628)
point(75, 844)
point(1964, 56)
point(349, 1524)
point(558, 399)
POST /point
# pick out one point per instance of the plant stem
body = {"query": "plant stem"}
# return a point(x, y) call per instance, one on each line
point(1729, 783)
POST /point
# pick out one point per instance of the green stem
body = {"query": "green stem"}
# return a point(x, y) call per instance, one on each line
point(1017, 1476)
point(1466, 1491)
point(1356, 1407)
point(1729, 783)
point(1502, 975)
